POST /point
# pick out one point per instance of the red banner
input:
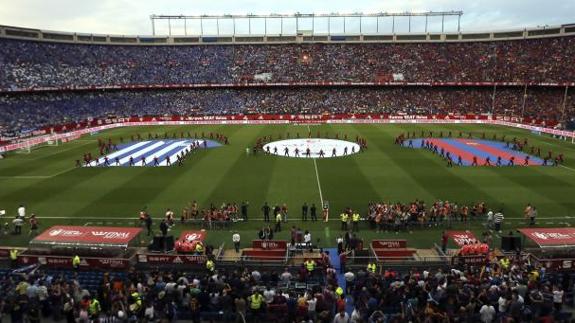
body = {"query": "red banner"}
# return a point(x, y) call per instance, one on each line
point(269, 244)
point(551, 237)
point(388, 244)
point(166, 259)
point(462, 238)
point(88, 235)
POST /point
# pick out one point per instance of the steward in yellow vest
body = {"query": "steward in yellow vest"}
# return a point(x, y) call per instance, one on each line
point(371, 267)
point(76, 262)
point(355, 222)
point(210, 265)
point(344, 218)
point(94, 309)
point(14, 257)
point(309, 265)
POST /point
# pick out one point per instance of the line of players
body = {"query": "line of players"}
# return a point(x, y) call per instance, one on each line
point(143, 162)
point(203, 135)
point(362, 142)
point(514, 144)
point(307, 152)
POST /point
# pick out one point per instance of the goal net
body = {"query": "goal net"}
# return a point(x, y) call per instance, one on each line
point(28, 148)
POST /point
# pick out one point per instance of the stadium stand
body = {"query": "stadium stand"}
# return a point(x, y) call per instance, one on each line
point(46, 83)
point(63, 69)
point(511, 290)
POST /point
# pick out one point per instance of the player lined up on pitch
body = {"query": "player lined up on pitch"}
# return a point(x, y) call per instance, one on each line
point(307, 152)
point(473, 152)
point(138, 160)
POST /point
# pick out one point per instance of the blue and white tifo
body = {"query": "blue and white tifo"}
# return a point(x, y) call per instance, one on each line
point(144, 153)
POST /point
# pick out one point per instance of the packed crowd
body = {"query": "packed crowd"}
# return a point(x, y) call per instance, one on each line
point(20, 113)
point(27, 64)
point(384, 216)
point(504, 289)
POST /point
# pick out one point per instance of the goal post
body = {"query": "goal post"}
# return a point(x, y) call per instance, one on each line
point(27, 149)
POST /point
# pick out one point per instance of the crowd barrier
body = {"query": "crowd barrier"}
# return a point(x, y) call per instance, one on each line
point(26, 143)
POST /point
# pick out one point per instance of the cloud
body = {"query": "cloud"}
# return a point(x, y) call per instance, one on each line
point(132, 16)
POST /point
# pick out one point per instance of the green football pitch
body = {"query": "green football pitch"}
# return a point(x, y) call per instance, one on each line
point(47, 182)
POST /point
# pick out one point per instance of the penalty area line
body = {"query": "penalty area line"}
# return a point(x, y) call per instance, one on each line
point(37, 176)
point(317, 176)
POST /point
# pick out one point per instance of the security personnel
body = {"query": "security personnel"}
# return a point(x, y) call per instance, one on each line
point(137, 305)
point(344, 218)
point(310, 266)
point(339, 291)
point(76, 262)
point(355, 222)
point(199, 248)
point(94, 309)
point(278, 227)
point(371, 267)
point(504, 262)
point(14, 257)
point(256, 301)
point(210, 265)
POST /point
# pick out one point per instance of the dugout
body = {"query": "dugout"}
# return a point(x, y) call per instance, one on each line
point(86, 241)
point(552, 248)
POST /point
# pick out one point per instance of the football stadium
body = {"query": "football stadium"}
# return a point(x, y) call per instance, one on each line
point(303, 175)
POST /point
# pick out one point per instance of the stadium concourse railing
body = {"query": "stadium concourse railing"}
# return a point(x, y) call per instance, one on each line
point(288, 119)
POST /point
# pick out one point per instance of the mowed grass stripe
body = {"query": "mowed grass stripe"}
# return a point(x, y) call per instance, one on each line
point(351, 181)
point(138, 188)
point(234, 176)
point(430, 171)
point(549, 183)
point(293, 180)
point(57, 160)
point(36, 192)
point(399, 171)
point(497, 182)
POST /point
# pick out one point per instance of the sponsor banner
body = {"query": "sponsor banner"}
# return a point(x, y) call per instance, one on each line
point(78, 129)
point(66, 262)
point(550, 237)
point(269, 244)
point(88, 235)
point(461, 238)
point(556, 264)
point(388, 244)
point(470, 260)
point(166, 259)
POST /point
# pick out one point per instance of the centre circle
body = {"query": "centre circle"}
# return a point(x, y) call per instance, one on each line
point(311, 148)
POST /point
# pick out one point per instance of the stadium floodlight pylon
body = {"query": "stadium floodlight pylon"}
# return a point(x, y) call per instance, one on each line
point(298, 23)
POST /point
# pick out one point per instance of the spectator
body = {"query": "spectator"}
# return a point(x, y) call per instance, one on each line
point(236, 241)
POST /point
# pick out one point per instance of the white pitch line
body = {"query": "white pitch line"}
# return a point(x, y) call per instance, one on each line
point(569, 168)
point(317, 175)
point(37, 176)
point(25, 177)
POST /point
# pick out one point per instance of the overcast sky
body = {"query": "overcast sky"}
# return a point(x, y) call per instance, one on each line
point(131, 17)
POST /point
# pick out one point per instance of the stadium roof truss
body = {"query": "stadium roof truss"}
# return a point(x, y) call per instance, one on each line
point(301, 24)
